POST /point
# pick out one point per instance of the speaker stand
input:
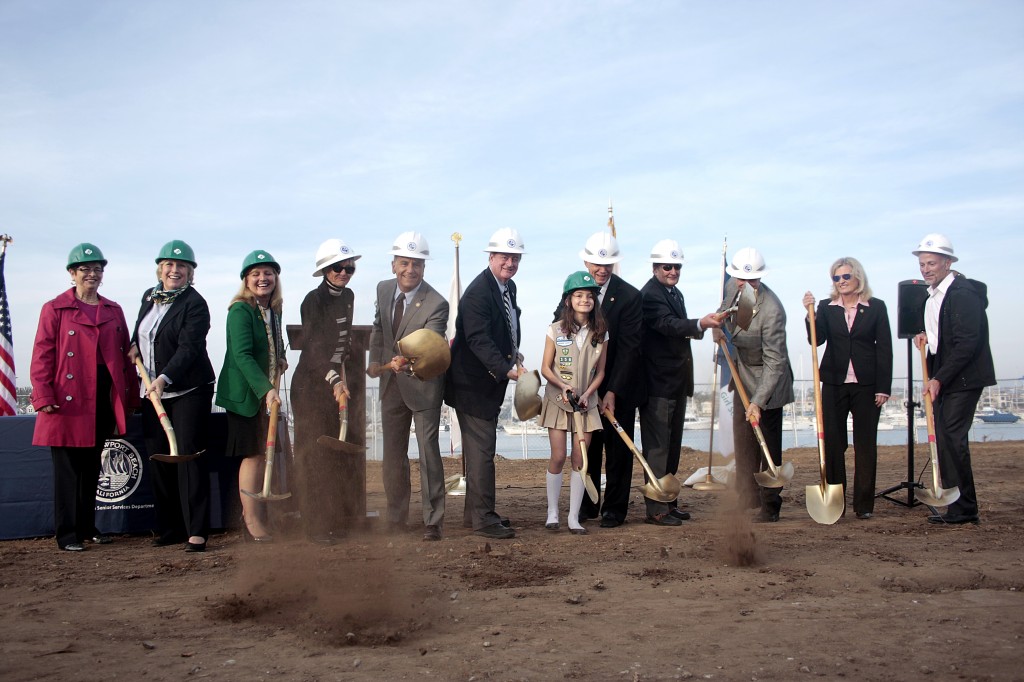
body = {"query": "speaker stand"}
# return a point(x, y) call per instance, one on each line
point(910, 484)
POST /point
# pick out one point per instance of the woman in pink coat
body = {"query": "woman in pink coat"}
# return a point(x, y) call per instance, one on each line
point(83, 389)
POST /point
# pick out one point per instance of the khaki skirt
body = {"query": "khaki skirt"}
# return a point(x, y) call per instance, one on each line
point(554, 417)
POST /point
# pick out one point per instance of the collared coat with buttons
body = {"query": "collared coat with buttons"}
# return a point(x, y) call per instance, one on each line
point(64, 371)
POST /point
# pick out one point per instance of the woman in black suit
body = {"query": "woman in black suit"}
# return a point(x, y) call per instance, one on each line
point(856, 376)
point(170, 337)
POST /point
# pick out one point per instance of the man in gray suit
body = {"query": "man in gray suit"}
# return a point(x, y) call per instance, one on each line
point(762, 362)
point(405, 304)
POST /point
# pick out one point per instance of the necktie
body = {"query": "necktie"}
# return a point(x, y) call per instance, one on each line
point(399, 311)
point(509, 319)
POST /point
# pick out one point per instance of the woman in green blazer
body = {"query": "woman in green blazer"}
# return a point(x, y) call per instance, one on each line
point(246, 388)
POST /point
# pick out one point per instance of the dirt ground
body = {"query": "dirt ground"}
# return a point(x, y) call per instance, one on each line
point(719, 598)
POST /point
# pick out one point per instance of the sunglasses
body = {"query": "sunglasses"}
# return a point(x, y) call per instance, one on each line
point(338, 267)
point(669, 267)
point(847, 276)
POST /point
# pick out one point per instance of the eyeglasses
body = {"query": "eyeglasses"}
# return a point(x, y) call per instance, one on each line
point(847, 276)
point(338, 267)
point(87, 270)
point(669, 267)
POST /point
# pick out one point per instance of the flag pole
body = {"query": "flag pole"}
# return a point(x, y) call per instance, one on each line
point(8, 378)
point(710, 483)
point(455, 485)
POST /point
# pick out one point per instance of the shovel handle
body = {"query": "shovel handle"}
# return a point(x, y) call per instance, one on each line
point(738, 383)
point(632, 447)
point(161, 413)
point(929, 417)
point(819, 419)
point(268, 471)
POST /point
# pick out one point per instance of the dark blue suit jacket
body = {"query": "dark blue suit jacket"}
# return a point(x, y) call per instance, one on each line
point(482, 351)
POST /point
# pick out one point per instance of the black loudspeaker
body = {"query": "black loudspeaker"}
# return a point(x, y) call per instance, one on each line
point(910, 312)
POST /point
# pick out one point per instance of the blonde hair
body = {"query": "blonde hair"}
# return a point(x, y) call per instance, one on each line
point(188, 267)
point(247, 297)
point(858, 272)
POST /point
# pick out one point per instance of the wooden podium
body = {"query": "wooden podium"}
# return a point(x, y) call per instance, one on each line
point(354, 480)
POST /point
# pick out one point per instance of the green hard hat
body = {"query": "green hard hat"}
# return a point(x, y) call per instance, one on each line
point(258, 257)
point(177, 250)
point(86, 253)
point(579, 280)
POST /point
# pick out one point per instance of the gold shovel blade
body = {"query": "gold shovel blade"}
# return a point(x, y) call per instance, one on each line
point(650, 491)
point(825, 503)
point(175, 459)
point(455, 486)
point(940, 497)
point(766, 479)
point(273, 497)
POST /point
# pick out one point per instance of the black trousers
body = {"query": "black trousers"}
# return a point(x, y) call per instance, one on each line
point(607, 445)
point(838, 401)
point(954, 413)
point(76, 472)
point(181, 491)
point(750, 460)
point(661, 426)
point(319, 474)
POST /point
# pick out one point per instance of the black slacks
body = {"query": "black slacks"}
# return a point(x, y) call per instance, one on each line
point(838, 401)
point(181, 491)
point(618, 462)
point(954, 414)
point(76, 472)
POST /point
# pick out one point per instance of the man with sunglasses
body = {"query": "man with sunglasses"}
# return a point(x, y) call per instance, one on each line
point(668, 368)
point(405, 304)
point(762, 362)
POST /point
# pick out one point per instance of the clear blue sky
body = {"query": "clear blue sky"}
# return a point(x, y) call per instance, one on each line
point(809, 130)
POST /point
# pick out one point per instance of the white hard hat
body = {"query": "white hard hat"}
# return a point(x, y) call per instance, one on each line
point(410, 245)
point(330, 252)
point(936, 243)
point(747, 263)
point(601, 249)
point(506, 240)
point(666, 251)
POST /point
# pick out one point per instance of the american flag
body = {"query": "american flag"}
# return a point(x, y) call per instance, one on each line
point(8, 382)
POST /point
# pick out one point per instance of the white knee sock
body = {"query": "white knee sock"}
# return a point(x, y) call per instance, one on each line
point(576, 489)
point(554, 489)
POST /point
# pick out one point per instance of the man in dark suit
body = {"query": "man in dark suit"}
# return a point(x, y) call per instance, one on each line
point(668, 370)
point(620, 391)
point(959, 366)
point(485, 356)
point(405, 304)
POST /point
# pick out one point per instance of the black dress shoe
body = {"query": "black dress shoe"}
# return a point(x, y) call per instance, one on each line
point(496, 532)
point(864, 515)
point(954, 519)
point(665, 519)
point(101, 539)
point(578, 531)
point(466, 523)
point(680, 514)
point(766, 517)
point(554, 525)
point(609, 521)
point(74, 547)
point(195, 546)
point(432, 534)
